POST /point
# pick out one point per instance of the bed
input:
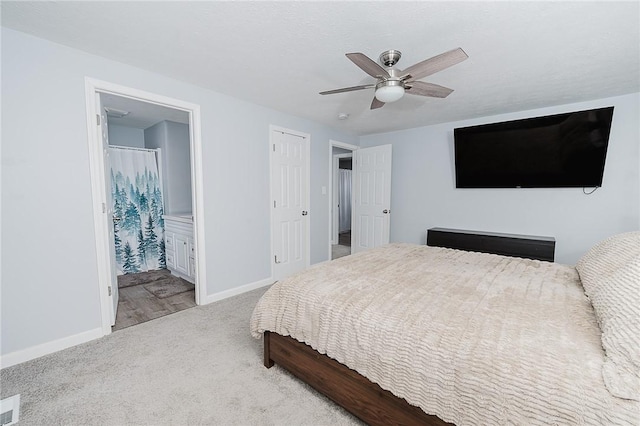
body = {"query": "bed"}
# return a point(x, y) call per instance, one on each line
point(410, 334)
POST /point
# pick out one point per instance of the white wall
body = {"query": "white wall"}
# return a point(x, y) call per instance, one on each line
point(423, 193)
point(126, 136)
point(173, 139)
point(47, 211)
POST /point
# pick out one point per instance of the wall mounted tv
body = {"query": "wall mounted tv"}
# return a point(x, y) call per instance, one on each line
point(555, 151)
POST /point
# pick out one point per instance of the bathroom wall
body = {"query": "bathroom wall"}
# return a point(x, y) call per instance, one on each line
point(173, 139)
point(126, 136)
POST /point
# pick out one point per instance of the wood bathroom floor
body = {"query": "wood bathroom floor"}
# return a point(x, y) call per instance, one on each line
point(137, 305)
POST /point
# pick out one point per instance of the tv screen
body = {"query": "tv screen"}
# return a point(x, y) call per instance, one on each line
point(562, 150)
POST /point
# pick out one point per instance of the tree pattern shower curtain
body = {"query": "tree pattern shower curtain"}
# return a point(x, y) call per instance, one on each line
point(137, 209)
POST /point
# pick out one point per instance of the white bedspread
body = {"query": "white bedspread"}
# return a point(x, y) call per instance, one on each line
point(476, 339)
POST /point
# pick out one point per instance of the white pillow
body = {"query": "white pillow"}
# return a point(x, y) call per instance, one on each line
point(606, 257)
point(610, 274)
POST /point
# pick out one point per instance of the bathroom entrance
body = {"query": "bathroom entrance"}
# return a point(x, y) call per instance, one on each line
point(151, 198)
point(149, 228)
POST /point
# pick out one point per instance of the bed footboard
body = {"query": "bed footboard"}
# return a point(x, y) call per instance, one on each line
point(344, 386)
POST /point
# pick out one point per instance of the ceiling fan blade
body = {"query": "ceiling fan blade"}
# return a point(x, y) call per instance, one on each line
point(423, 88)
point(433, 65)
point(375, 104)
point(348, 89)
point(367, 65)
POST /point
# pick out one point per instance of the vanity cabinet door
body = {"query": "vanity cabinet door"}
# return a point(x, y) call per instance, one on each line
point(182, 254)
point(180, 248)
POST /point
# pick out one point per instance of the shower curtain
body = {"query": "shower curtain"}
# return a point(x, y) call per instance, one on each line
point(344, 191)
point(137, 210)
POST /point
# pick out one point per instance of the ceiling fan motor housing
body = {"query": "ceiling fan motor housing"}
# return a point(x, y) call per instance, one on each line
point(390, 57)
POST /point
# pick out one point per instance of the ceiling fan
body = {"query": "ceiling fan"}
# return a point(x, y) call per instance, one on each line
point(393, 83)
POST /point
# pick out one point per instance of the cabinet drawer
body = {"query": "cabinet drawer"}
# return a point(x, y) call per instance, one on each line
point(171, 262)
point(169, 241)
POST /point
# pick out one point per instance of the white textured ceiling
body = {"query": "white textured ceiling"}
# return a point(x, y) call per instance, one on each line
point(522, 55)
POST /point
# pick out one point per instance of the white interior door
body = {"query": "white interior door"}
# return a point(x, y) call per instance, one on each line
point(371, 208)
point(112, 276)
point(290, 192)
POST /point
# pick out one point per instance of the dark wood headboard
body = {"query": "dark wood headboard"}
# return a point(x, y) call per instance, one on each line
point(527, 246)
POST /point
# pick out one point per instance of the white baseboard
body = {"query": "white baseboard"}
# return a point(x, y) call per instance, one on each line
point(237, 290)
point(37, 351)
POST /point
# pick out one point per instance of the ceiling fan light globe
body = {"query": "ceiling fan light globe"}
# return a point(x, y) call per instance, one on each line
point(389, 94)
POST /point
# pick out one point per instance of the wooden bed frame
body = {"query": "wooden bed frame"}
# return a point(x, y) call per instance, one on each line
point(354, 392)
point(344, 386)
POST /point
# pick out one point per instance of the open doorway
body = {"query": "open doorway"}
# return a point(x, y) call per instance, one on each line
point(151, 196)
point(343, 178)
point(341, 197)
point(147, 184)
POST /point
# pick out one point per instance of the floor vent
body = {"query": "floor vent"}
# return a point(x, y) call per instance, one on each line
point(9, 410)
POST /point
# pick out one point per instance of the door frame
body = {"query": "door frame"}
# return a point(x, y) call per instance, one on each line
point(307, 141)
point(352, 148)
point(99, 172)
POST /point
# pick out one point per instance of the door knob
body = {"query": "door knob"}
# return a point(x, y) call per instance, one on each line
point(385, 211)
point(304, 213)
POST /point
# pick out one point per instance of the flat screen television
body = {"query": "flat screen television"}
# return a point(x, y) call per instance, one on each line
point(555, 151)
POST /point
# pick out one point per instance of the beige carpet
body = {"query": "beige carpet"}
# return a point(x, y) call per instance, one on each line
point(195, 367)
